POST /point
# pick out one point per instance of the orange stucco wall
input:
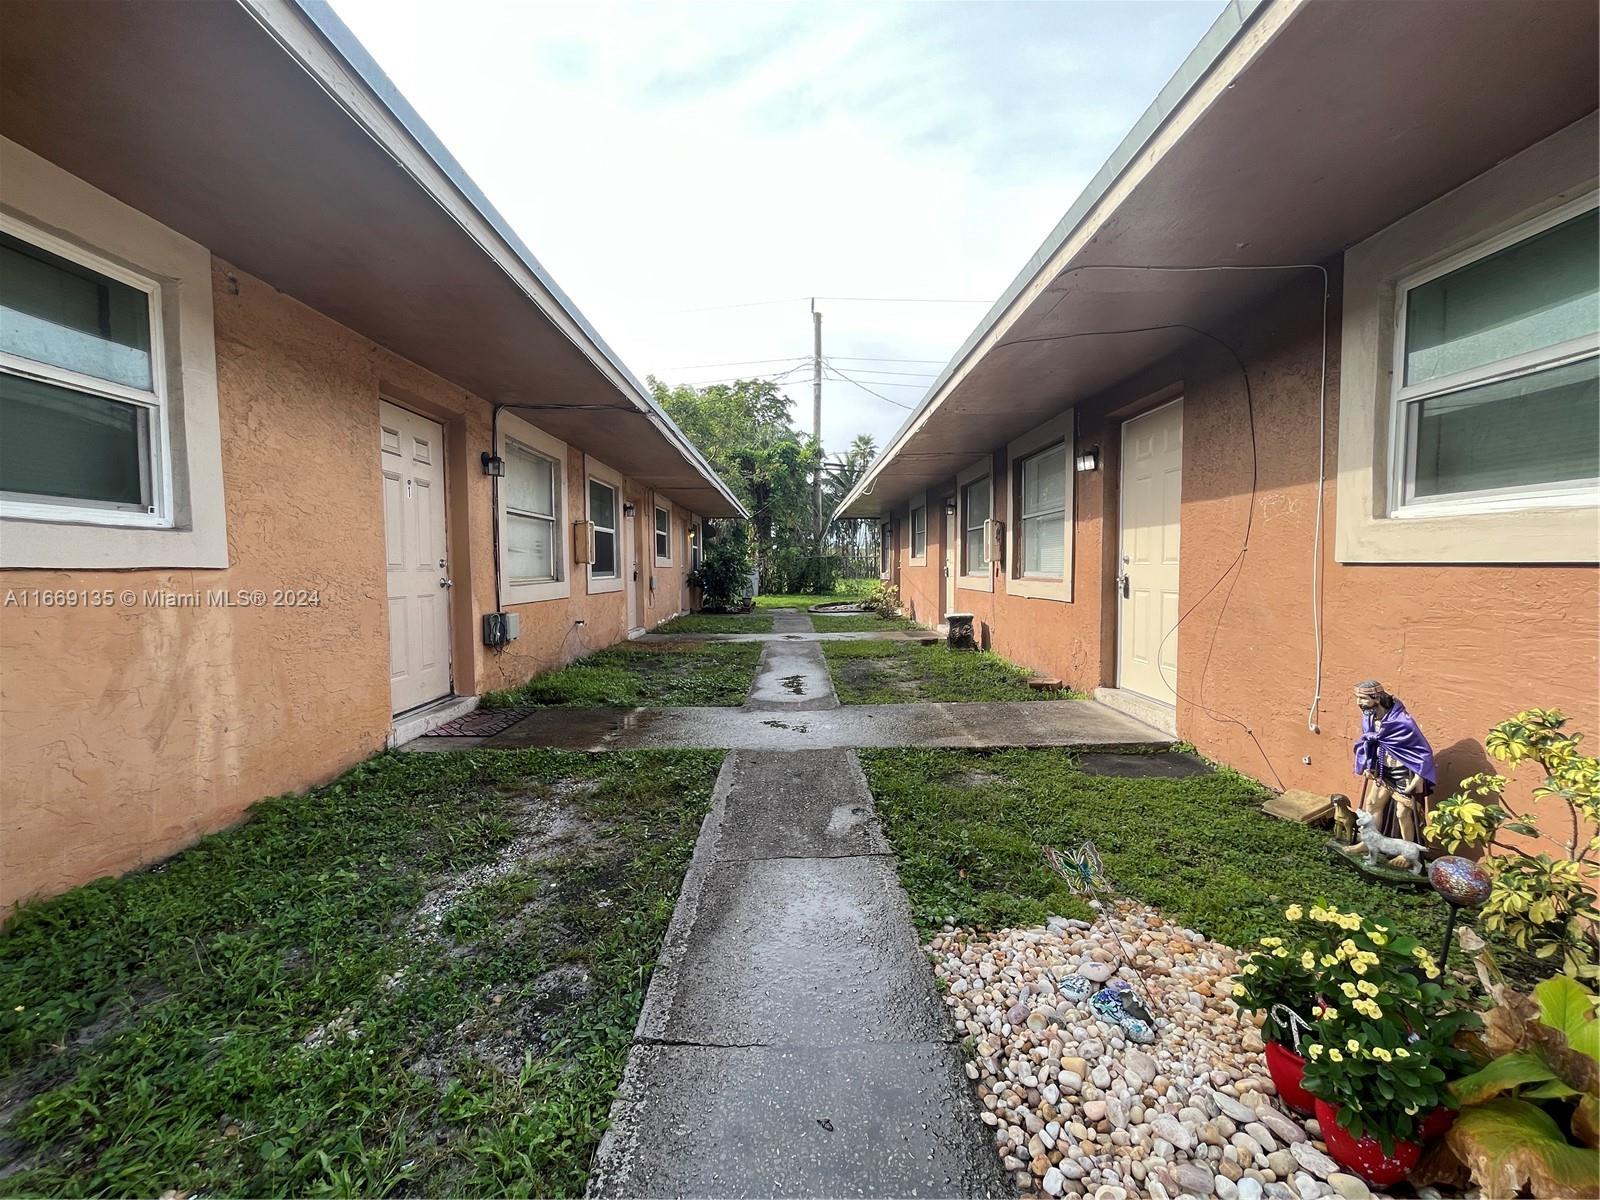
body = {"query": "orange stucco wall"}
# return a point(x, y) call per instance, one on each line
point(1463, 646)
point(128, 730)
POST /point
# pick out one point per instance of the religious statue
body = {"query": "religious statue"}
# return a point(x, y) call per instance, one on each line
point(1397, 763)
point(1344, 820)
point(1387, 851)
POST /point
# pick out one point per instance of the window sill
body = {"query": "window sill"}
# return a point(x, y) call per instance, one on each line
point(535, 593)
point(604, 583)
point(1040, 588)
point(975, 583)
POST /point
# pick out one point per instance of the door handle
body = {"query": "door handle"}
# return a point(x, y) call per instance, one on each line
point(444, 583)
point(1122, 586)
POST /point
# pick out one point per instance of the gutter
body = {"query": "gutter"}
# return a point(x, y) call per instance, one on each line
point(338, 37)
point(1214, 43)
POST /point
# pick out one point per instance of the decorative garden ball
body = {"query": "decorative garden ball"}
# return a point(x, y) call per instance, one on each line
point(1462, 882)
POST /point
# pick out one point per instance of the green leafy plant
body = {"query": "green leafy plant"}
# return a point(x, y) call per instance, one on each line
point(884, 599)
point(1280, 976)
point(1529, 1113)
point(723, 575)
point(1384, 1017)
point(1541, 902)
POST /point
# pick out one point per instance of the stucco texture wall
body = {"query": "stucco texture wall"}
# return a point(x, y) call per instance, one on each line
point(129, 730)
point(1463, 646)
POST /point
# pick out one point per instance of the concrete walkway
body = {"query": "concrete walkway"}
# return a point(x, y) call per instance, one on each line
point(792, 1043)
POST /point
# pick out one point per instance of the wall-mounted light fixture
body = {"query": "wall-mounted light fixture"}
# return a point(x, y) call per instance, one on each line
point(1089, 460)
point(949, 504)
point(628, 510)
point(493, 464)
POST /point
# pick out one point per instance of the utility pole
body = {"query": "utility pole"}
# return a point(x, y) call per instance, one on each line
point(816, 409)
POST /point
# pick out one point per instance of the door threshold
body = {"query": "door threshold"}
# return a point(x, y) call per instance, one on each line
point(414, 722)
point(1155, 713)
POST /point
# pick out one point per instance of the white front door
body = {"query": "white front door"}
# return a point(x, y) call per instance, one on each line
point(1147, 583)
point(412, 453)
point(949, 562)
point(630, 569)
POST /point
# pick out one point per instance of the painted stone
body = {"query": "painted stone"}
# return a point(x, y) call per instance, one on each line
point(1460, 881)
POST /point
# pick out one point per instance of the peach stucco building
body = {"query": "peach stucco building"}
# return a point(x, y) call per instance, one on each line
point(263, 347)
point(1301, 392)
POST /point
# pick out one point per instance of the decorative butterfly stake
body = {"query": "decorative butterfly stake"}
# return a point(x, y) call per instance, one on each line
point(1085, 875)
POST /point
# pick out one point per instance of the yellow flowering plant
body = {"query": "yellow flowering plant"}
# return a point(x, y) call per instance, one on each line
point(1384, 1018)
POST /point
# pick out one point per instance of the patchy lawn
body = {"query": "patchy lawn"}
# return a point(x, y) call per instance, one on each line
point(845, 592)
point(874, 672)
point(422, 978)
point(644, 675)
point(717, 623)
point(859, 623)
point(968, 828)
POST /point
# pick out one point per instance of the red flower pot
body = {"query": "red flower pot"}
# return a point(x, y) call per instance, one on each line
point(1287, 1068)
point(1365, 1156)
point(1436, 1125)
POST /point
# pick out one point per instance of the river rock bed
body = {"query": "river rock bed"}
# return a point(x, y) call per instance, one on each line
point(1076, 1109)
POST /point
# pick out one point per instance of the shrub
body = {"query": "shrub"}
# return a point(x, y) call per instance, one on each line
point(723, 575)
point(883, 599)
point(1542, 902)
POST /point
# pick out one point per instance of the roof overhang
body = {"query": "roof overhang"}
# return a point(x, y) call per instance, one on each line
point(264, 131)
point(1294, 130)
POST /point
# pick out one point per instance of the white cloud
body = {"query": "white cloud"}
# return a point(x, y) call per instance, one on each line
point(662, 158)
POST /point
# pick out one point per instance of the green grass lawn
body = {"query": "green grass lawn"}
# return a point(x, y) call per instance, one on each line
point(422, 978)
point(845, 591)
point(968, 828)
point(874, 672)
point(718, 623)
point(859, 623)
point(643, 675)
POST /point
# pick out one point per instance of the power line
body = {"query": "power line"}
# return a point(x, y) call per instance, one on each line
point(937, 362)
point(739, 362)
point(840, 375)
point(900, 300)
point(902, 374)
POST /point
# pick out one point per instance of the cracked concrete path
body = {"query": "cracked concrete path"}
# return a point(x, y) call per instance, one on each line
point(792, 1042)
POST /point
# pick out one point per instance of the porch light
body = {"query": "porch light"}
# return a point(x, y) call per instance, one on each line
point(493, 465)
point(1089, 460)
point(628, 510)
point(949, 504)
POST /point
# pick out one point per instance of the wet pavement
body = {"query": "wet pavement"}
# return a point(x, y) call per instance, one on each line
point(792, 1042)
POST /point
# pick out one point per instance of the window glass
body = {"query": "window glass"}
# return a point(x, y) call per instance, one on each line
point(603, 512)
point(975, 507)
point(919, 532)
point(1531, 430)
point(1541, 292)
point(57, 312)
point(530, 482)
point(663, 534)
point(530, 549)
point(1043, 512)
point(58, 445)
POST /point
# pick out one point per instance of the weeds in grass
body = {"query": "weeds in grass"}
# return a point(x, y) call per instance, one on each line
point(265, 1014)
point(643, 675)
point(859, 623)
point(718, 623)
point(886, 672)
point(968, 828)
point(846, 591)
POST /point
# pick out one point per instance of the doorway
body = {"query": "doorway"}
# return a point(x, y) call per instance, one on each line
point(1147, 579)
point(949, 561)
point(411, 457)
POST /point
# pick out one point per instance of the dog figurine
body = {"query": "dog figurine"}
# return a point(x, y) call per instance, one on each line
point(1386, 850)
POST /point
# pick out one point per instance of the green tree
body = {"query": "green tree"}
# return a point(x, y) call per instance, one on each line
point(743, 430)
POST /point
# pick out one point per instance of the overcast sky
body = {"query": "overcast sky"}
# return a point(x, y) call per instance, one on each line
point(670, 161)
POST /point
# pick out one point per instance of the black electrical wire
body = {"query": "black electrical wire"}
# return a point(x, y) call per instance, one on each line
point(1233, 569)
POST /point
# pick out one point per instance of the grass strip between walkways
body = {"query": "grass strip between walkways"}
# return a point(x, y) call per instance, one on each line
point(892, 672)
point(717, 623)
point(423, 978)
point(969, 827)
point(643, 675)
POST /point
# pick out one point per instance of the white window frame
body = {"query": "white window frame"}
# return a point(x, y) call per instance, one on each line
point(1406, 402)
point(661, 536)
point(1551, 174)
point(694, 536)
point(156, 467)
point(597, 472)
point(60, 213)
point(1056, 431)
point(515, 431)
point(981, 580)
point(918, 505)
point(885, 549)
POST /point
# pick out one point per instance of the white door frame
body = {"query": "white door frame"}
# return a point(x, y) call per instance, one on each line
point(443, 572)
point(630, 566)
point(951, 565)
point(1118, 606)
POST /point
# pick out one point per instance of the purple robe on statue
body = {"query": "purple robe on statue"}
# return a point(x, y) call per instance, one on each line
point(1395, 738)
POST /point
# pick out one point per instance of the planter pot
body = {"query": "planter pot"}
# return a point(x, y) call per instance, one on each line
point(1365, 1156)
point(1436, 1126)
point(1286, 1068)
